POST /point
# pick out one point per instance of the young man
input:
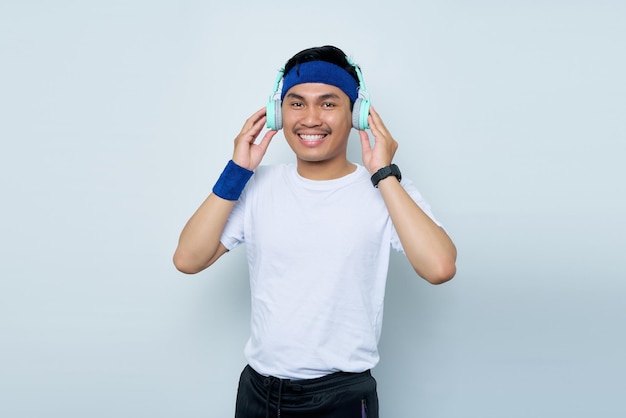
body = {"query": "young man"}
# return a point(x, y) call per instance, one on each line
point(318, 234)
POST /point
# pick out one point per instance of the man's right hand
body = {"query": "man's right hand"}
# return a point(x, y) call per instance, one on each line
point(247, 154)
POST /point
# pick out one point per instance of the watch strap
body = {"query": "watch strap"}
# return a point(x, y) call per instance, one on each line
point(383, 173)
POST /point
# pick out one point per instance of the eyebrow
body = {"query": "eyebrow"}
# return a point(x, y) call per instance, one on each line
point(320, 97)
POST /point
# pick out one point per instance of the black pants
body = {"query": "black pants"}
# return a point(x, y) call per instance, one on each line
point(338, 395)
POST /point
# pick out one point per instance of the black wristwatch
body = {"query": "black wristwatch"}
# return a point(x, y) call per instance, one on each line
point(383, 173)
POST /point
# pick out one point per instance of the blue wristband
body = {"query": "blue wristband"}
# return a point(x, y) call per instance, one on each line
point(232, 181)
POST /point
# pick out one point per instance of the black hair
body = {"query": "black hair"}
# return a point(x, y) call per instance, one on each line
point(326, 53)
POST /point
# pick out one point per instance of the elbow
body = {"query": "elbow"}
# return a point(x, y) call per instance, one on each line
point(439, 274)
point(184, 263)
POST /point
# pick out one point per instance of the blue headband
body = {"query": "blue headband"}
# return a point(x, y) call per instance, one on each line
point(321, 72)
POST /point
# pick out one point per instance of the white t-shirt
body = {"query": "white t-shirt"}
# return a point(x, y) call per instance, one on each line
point(318, 255)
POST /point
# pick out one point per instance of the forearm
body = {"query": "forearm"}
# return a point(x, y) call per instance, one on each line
point(427, 246)
point(199, 243)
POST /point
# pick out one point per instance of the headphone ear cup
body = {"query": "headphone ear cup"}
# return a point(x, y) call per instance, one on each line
point(269, 114)
point(360, 112)
point(364, 114)
point(278, 114)
point(274, 115)
point(356, 113)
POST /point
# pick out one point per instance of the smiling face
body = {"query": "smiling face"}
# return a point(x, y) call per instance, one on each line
point(317, 119)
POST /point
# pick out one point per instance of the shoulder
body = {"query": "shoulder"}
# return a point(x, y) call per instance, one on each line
point(273, 170)
point(271, 175)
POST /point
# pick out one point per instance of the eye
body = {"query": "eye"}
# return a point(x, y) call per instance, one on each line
point(328, 105)
point(296, 105)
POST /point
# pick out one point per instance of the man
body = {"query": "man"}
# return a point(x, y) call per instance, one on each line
point(318, 235)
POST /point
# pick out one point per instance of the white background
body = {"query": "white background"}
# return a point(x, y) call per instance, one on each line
point(116, 117)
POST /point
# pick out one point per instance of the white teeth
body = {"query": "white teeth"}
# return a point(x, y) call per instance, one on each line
point(312, 137)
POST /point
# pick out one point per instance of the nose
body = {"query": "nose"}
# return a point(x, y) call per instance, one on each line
point(312, 116)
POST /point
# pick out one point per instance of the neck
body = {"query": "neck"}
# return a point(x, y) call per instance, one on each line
point(325, 170)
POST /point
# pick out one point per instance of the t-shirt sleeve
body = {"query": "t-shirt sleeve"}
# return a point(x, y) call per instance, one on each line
point(421, 202)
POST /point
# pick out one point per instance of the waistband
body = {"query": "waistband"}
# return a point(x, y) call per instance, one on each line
point(318, 384)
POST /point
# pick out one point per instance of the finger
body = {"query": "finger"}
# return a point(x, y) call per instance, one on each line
point(267, 138)
point(254, 119)
point(365, 141)
point(376, 122)
point(250, 132)
point(259, 114)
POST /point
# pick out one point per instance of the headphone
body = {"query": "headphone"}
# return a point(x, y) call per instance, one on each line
point(360, 109)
